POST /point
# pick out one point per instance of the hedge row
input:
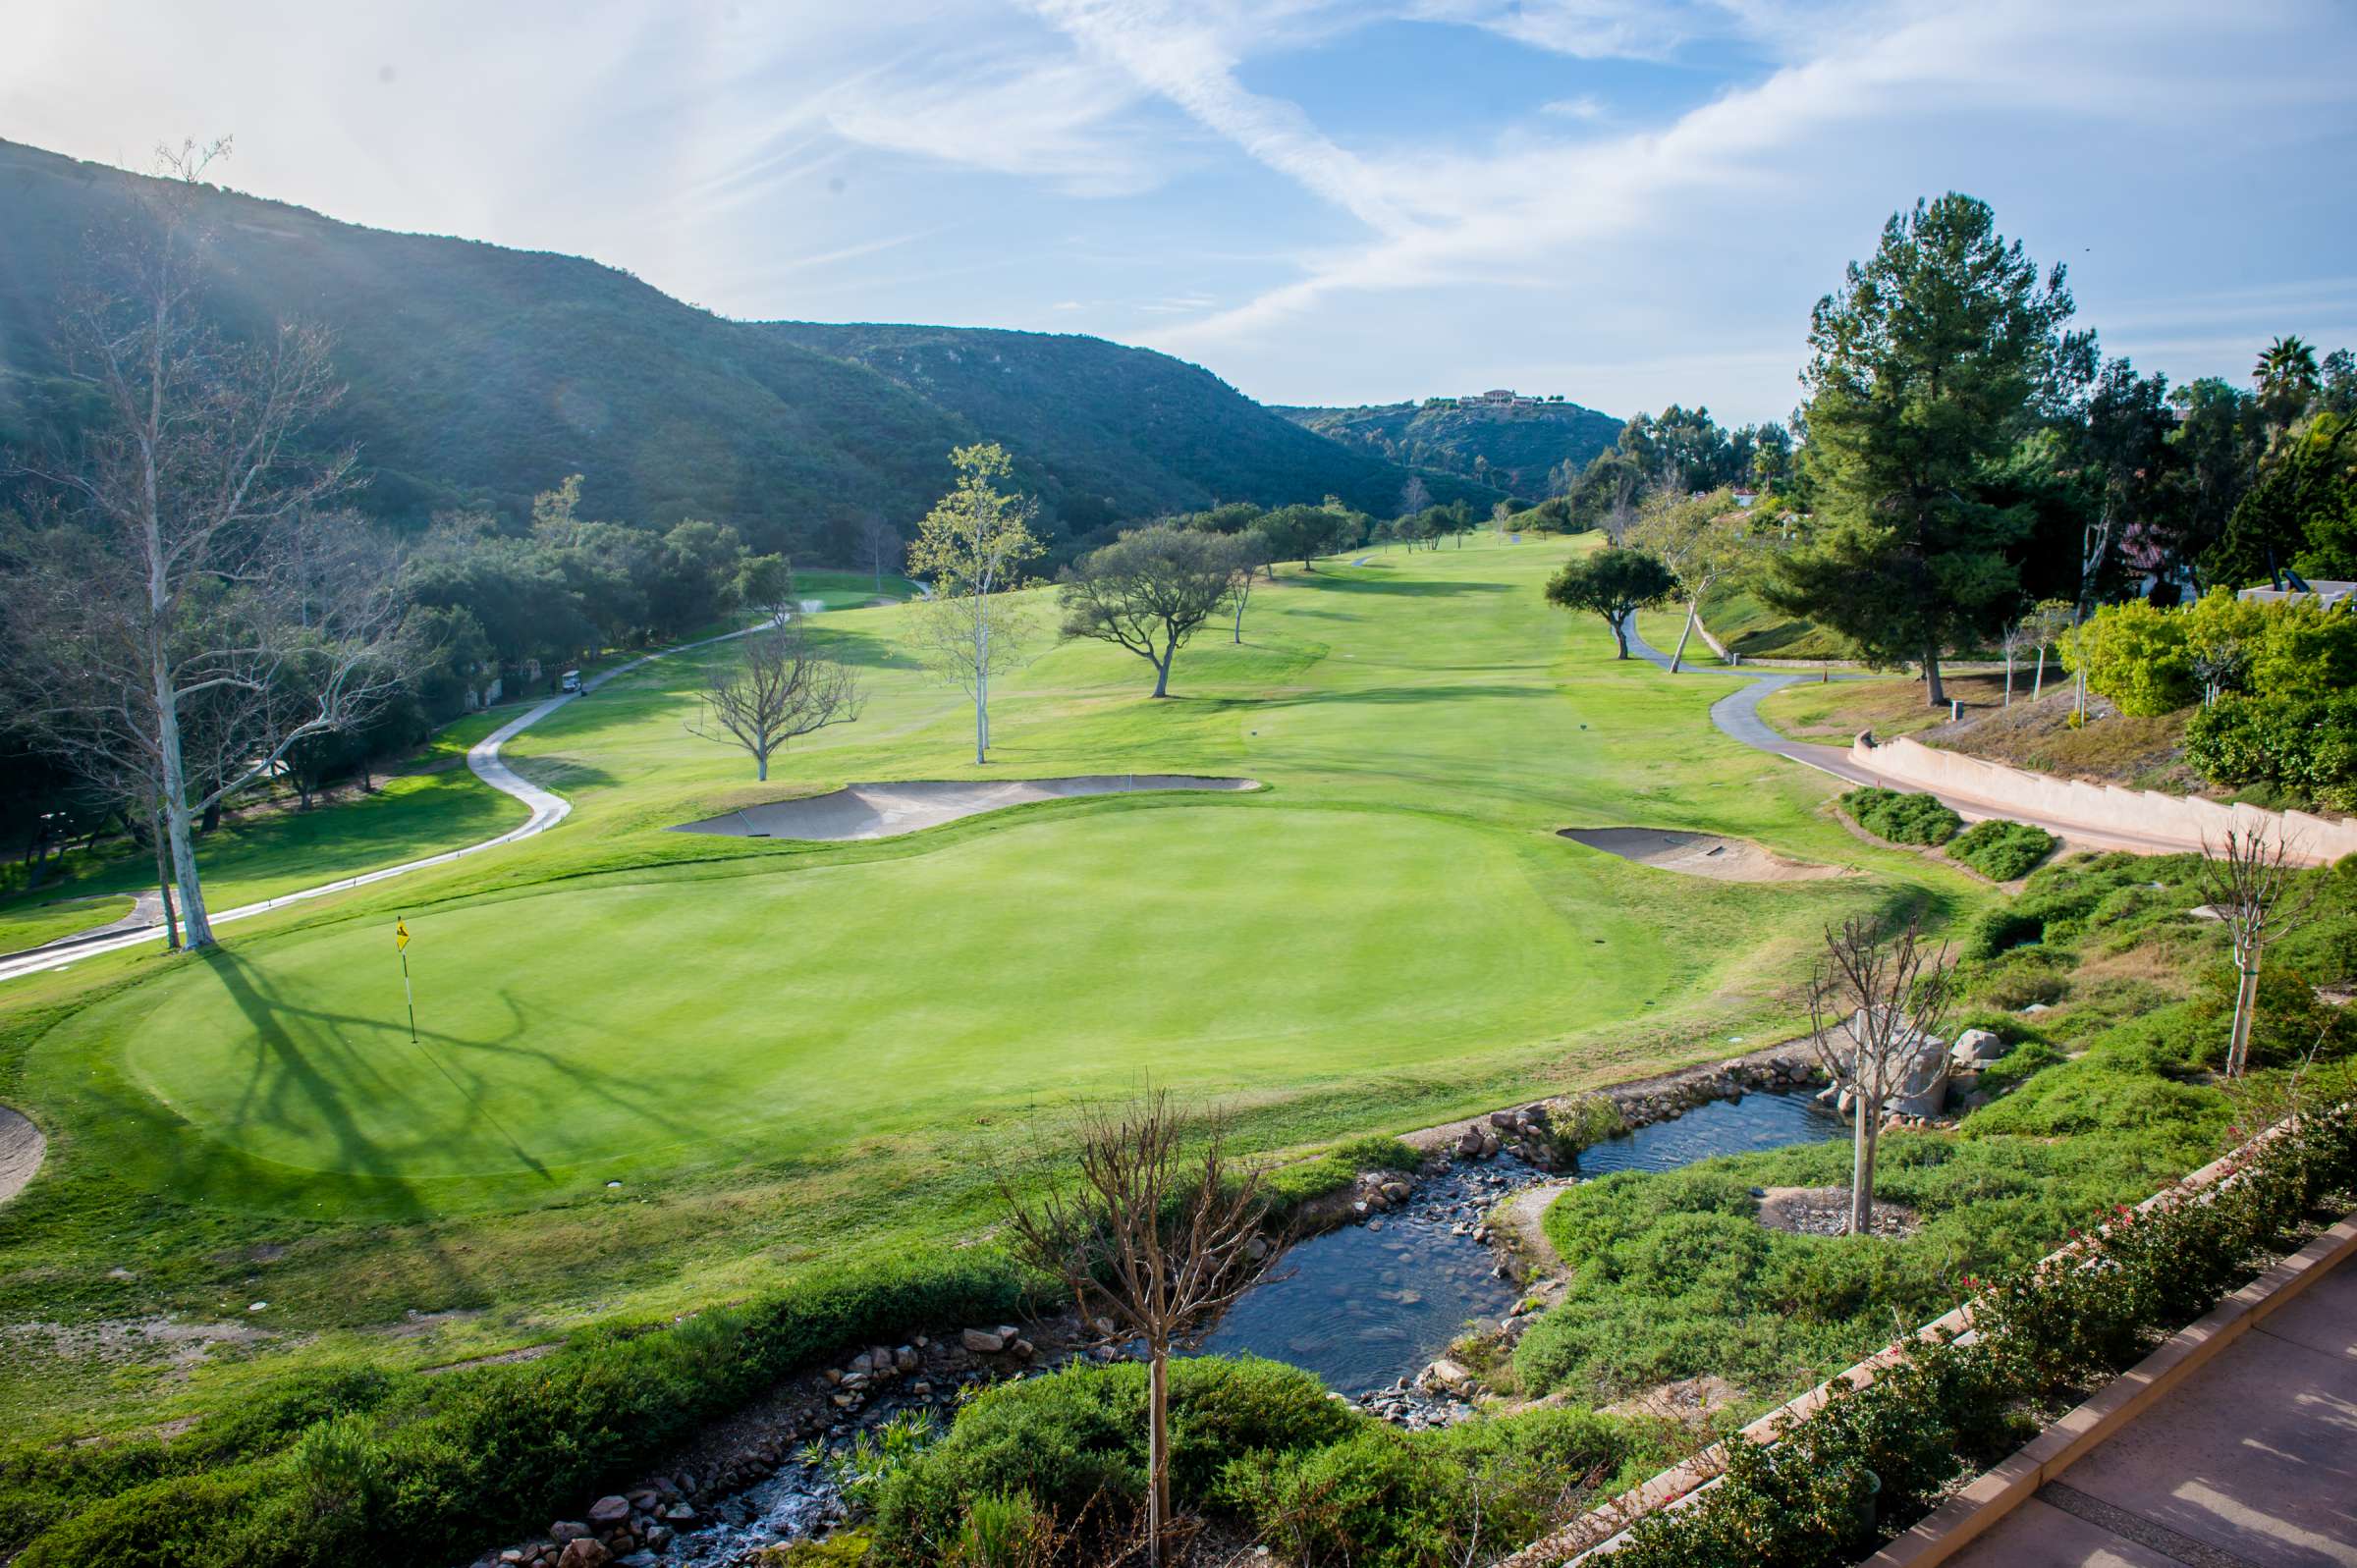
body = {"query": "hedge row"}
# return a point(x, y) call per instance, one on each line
point(371, 1469)
point(1901, 818)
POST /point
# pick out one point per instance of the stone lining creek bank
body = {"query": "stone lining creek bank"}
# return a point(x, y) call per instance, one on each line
point(1408, 1265)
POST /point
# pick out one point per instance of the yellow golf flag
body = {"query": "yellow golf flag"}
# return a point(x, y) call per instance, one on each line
point(400, 935)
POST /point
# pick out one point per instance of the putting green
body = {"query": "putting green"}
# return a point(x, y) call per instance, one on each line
point(626, 1027)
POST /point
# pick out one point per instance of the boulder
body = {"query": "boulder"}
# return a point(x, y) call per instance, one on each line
point(1446, 1374)
point(1501, 1119)
point(585, 1553)
point(984, 1341)
point(905, 1358)
point(1976, 1046)
point(1469, 1143)
point(608, 1512)
point(567, 1530)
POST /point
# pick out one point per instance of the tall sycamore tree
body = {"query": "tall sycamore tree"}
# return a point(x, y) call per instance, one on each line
point(1933, 358)
point(971, 547)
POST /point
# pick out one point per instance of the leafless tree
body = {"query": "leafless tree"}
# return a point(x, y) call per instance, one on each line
point(771, 687)
point(213, 621)
point(1874, 1006)
point(2245, 880)
point(1155, 1240)
point(880, 546)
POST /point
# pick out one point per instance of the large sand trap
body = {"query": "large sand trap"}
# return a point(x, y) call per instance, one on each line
point(1699, 854)
point(881, 810)
point(21, 1149)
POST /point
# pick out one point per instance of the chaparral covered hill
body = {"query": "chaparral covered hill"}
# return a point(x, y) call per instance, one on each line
point(1513, 443)
point(479, 375)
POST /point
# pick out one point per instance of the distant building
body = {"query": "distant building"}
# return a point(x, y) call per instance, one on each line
point(2329, 595)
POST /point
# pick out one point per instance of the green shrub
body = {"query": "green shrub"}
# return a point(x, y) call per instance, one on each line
point(2111, 1086)
point(2136, 655)
point(2016, 979)
point(440, 1465)
point(1391, 1499)
point(2011, 1070)
point(1901, 818)
point(1076, 1442)
point(2306, 746)
point(1376, 1153)
point(2002, 850)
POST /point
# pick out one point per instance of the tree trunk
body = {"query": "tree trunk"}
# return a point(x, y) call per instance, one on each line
point(2246, 1003)
point(1934, 693)
point(1162, 669)
point(1861, 1172)
point(1239, 612)
point(2038, 687)
point(761, 767)
point(163, 885)
point(199, 928)
point(1693, 613)
point(1619, 625)
point(1158, 1453)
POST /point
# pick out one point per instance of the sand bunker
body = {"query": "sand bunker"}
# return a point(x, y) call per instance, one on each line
point(1700, 855)
point(21, 1149)
point(881, 810)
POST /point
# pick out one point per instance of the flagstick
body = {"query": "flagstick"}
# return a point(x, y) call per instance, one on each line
point(410, 996)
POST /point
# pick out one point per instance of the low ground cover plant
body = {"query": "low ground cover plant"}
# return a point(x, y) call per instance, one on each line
point(1875, 1459)
point(2002, 850)
point(368, 1468)
point(1900, 817)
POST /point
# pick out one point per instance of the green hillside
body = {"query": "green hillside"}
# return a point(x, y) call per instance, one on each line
point(1511, 447)
point(478, 375)
point(1114, 432)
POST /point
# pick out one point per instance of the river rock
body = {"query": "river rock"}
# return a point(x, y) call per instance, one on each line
point(608, 1512)
point(1976, 1046)
point(1446, 1374)
point(585, 1553)
point(567, 1530)
point(983, 1341)
point(1469, 1143)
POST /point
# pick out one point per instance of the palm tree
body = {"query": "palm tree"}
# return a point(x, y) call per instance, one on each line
point(2288, 379)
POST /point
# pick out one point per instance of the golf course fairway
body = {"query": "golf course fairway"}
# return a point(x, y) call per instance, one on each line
point(572, 1036)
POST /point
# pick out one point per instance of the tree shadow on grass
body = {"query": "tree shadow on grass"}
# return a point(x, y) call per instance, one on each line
point(310, 1078)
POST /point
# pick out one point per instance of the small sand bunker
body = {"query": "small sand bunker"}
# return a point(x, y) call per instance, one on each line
point(881, 810)
point(22, 1147)
point(1699, 854)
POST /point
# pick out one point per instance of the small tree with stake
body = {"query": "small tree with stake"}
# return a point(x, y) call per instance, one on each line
point(774, 687)
point(1872, 1007)
point(2245, 880)
point(1155, 1240)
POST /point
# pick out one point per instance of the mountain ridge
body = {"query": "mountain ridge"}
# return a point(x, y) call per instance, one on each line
point(477, 375)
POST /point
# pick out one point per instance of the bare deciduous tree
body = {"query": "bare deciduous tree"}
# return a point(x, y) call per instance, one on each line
point(2245, 880)
point(771, 687)
point(1873, 1009)
point(880, 546)
point(1156, 1240)
point(207, 619)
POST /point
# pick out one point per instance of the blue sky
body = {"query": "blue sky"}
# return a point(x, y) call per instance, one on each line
point(1626, 203)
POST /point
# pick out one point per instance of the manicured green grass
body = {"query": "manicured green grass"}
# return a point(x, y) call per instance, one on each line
point(796, 1055)
point(272, 852)
point(33, 922)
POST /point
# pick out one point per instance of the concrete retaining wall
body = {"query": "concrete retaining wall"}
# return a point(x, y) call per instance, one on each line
point(2182, 821)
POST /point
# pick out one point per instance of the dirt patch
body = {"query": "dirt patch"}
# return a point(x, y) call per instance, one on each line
point(22, 1149)
point(1700, 855)
point(1689, 1402)
point(128, 1340)
point(1521, 1216)
point(1825, 1211)
point(885, 810)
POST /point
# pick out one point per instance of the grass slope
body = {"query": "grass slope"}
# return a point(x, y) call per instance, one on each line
point(802, 1055)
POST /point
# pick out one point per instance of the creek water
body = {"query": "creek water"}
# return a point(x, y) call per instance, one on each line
point(1368, 1305)
point(1360, 1307)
